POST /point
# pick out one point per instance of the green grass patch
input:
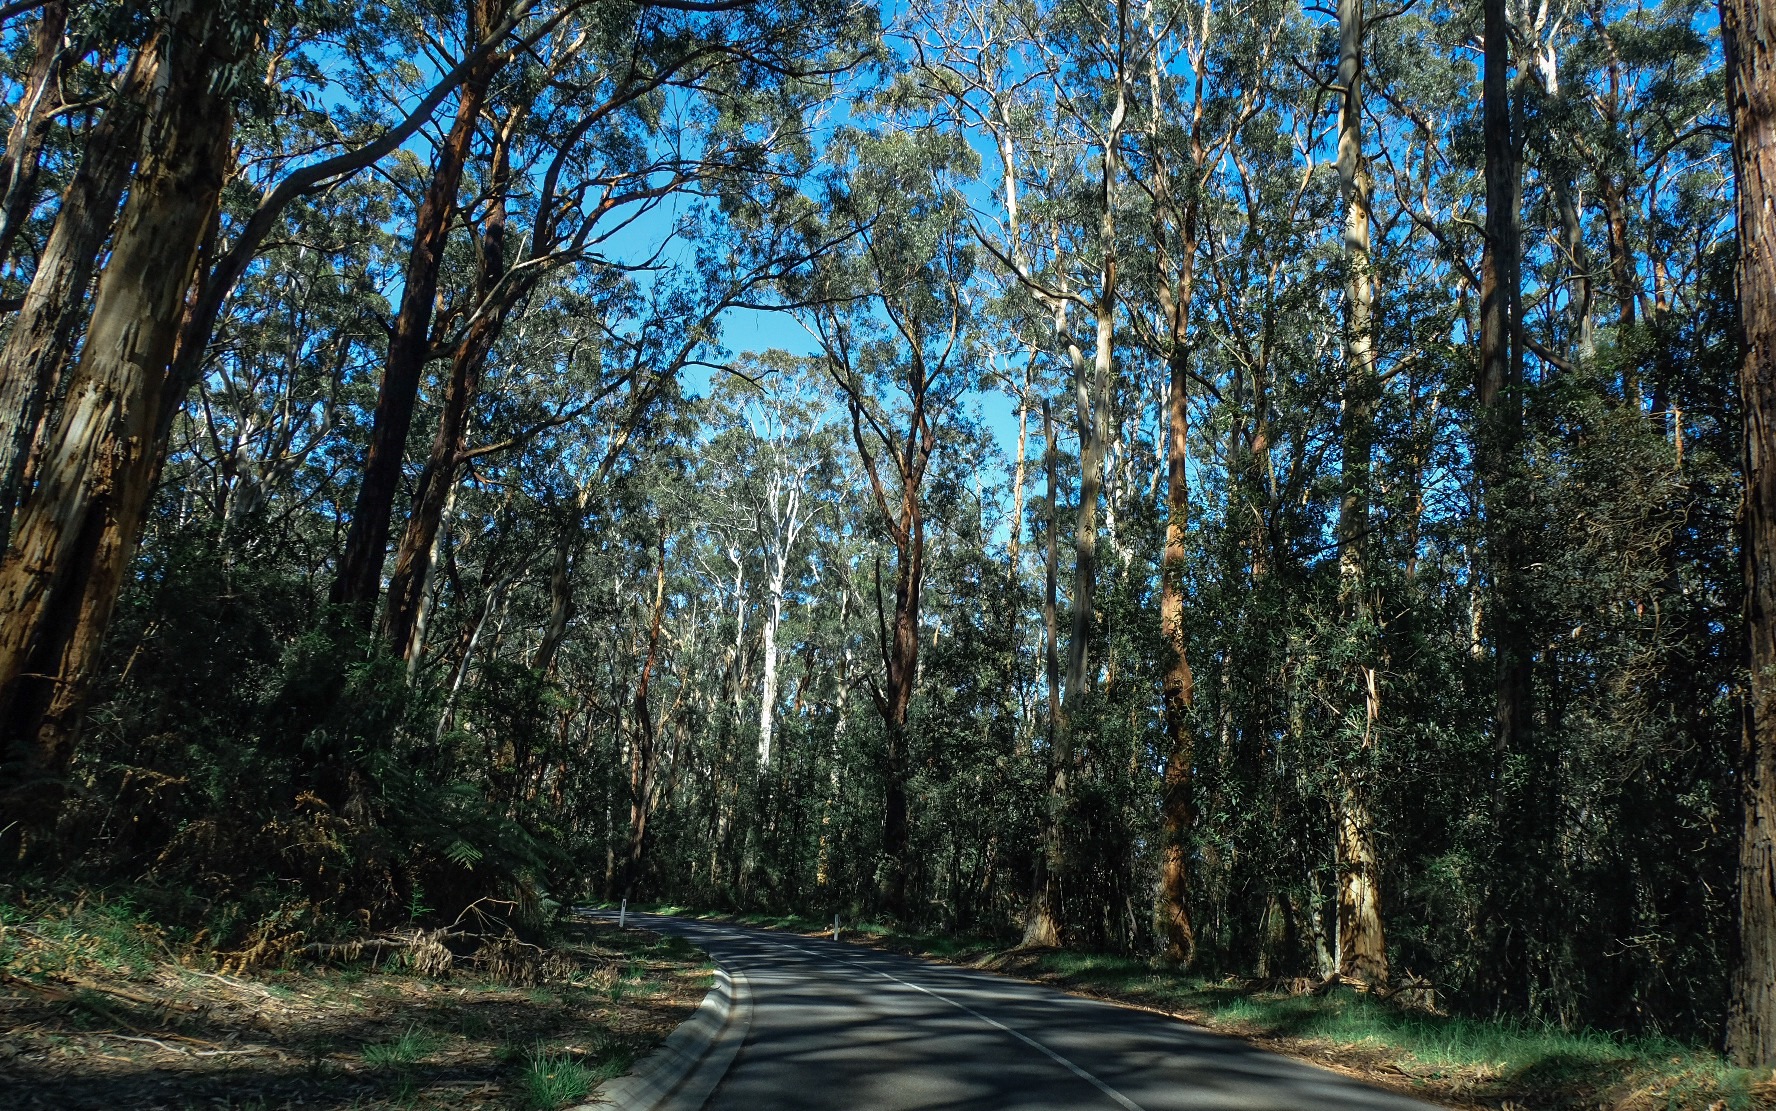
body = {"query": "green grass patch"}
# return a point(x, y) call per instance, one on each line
point(102, 937)
point(1488, 1057)
point(552, 1080)
point(408, 1049)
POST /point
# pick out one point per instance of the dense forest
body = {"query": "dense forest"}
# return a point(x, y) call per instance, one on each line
point(1284, 489)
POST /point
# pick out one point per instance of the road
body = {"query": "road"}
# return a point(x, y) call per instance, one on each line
point(838, 1027)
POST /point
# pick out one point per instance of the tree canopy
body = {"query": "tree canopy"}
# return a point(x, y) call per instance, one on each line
point(1255, 484)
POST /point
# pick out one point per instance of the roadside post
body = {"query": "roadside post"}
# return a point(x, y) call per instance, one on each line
point(623, 914)
point(835, 927)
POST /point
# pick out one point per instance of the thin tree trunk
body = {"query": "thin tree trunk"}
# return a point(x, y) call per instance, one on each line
point(1751, 96)
point(489, 609)
point(422, 618)
point(359, 577)
point(903, 671)
point(642, 757)
point(1040, 929)
point(768, 681)
point(785, 495)
point(78, 530)
point(1017, 483)
point(560, 602)
point(841, 698)
point(1362, 944)
point(1043, 921)
point(407, 582)
point(1579, 305)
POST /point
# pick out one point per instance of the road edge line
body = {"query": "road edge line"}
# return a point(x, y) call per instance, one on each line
point(683, 1071)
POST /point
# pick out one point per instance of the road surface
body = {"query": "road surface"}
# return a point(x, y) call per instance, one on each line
point(837, 1027)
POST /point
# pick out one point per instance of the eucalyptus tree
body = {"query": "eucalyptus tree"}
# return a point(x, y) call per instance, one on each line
point(789, 438)
point(1362, 944)
point(1751, 1024)
point(738, 80)
point(1202, 85)
point(80, 522)
point(142, 347)
point(1058, 108)
point(895, 325)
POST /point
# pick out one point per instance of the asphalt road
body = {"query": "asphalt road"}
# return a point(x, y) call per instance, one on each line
point(837, 1026)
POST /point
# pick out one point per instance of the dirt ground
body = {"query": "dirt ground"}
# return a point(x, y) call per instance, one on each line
point(361, 1036)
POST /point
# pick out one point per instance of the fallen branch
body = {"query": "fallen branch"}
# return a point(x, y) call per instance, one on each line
point(250, 1051)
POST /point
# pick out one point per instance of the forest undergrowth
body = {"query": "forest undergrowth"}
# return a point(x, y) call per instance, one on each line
point(103, 1007)
point(1405, 1042)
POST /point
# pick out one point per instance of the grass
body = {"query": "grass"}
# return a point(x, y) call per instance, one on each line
point(1453, 1058)
point(1467, 1057)
point(100, 937)
point(96, 997)
point(408, 1049)
point(553, 1079)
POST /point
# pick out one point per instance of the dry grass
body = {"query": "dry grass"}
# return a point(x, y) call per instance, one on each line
point(97, 1011)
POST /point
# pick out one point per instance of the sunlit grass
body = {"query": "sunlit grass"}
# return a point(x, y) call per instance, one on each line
point(552, 1080)
point(409, 1049)
point(1493, 1055)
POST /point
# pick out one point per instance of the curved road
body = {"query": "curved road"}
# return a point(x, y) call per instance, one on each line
point(839, 1027)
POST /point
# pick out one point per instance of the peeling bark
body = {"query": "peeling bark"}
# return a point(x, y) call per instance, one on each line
point(78, 529)
point(1747, 33)
point(42, 334)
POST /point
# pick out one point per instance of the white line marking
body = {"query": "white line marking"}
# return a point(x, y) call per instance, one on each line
point(1121, 1100)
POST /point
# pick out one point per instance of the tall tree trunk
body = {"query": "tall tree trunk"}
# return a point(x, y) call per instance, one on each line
point(643, 759)
point(1043, 920)
point(407, 582)
point(1519, 820)
point(903, 672)
point(359, 577)
point(1040, 929)
point(1017, 482)
point(1175, 217)
point(784, 492)
point(560, 600)
point(43, 332)
point(1092, 401)
point(1751, 96)
point(78, 529)
point(768, 680)
point(1362, 943)
point(1500, 386)
point(1177, 813)
point(1582, 297)
point(36, 108)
